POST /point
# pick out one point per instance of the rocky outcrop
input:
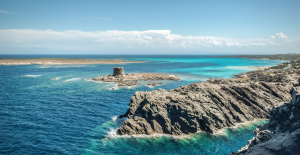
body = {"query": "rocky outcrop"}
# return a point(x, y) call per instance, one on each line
point(128, 83)
point(206, 106)
point(153, 84)
point(127, 79)
point(281, 135)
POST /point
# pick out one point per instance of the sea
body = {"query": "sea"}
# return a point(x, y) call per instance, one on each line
point(74, 115)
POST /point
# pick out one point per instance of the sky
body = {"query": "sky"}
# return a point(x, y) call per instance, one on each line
point(201, 27)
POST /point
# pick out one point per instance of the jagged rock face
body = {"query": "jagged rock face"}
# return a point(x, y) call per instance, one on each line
point(201, 107)
point(280, 136)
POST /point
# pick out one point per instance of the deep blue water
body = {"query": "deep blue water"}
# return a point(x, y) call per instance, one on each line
point(72, 115)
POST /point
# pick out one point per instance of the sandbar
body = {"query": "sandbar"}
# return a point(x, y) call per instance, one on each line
point(62, 61)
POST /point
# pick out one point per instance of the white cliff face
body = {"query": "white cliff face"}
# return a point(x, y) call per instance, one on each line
point(281, 135)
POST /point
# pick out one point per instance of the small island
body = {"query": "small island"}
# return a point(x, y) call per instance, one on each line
point(62, 61)
point(132, 79)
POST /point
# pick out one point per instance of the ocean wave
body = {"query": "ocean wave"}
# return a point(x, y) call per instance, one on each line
point(73, 79)
point(114, 87)
point(114, 118)
point(32, 75)
point(44, 67)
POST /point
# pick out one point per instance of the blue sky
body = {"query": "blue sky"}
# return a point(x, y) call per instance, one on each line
point(158, 27)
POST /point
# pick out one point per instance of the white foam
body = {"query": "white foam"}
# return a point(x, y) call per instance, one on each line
point(113, 132)
point(129, 87)
point(114, 118)
point(149, 86)
point(114, 87)
point(73, 79)
point(32, 75)
point(237, 125)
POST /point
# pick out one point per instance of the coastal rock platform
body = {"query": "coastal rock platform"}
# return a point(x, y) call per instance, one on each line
point(132, 79)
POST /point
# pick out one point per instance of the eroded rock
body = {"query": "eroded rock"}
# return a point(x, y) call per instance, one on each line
point(281, 135)
point(203, 106)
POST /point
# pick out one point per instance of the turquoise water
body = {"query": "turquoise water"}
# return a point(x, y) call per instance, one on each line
point(72, 115)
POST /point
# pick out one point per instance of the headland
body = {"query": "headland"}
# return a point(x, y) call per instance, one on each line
point(212, 105)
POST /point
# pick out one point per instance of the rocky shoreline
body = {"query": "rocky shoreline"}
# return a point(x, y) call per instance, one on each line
point(132, 79)
point(281, 135)
point(207, 106)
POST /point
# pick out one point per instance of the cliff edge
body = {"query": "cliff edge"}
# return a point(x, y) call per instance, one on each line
point(281, 135)
point(203, 106)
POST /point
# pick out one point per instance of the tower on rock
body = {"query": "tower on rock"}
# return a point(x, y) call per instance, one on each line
point(118, 71)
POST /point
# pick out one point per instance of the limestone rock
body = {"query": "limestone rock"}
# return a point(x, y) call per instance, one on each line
point(202, 106)
point(127, 79)
point(281, 135)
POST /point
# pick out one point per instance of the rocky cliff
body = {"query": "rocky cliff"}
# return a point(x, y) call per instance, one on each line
point(208, 106)
point(281, 135)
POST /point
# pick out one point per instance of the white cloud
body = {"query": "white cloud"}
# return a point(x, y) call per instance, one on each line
point(137, 41)
point(281, 35)
point(6, 12)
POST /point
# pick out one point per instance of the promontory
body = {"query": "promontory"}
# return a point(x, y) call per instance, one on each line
point(208, 106)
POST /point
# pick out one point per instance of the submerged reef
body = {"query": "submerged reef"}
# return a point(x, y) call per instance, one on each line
point(281, 135)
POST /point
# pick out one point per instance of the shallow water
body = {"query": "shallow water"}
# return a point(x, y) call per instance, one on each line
point(73, 115)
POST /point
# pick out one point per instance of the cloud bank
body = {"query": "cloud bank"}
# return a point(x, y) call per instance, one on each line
point(137, 42)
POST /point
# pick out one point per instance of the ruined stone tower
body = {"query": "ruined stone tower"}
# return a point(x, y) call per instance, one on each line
point(118, 71)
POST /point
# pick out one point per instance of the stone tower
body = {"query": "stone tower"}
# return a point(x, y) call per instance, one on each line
point(118, 71)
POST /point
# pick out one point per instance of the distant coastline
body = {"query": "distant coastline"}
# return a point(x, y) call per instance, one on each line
point(62, 61)
point(287, 57)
